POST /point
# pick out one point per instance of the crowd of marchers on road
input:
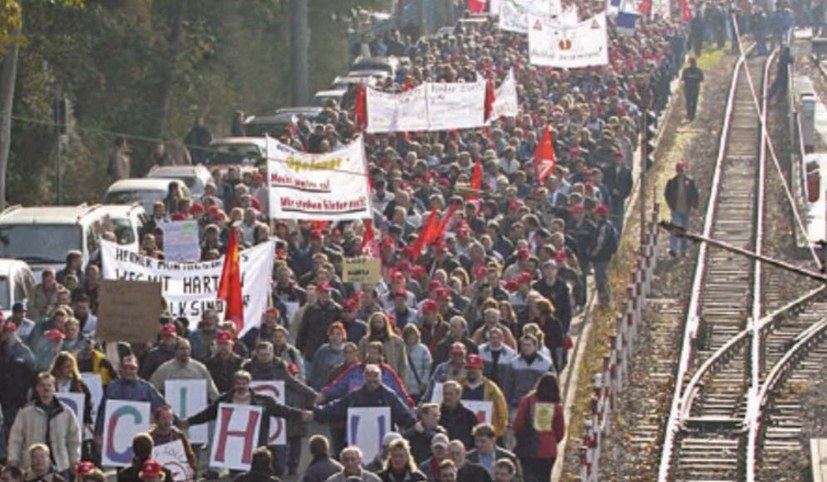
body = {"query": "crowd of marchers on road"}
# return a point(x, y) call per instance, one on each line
point(481, 314)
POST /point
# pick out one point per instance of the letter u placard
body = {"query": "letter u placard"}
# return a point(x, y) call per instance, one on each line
point(366, 427)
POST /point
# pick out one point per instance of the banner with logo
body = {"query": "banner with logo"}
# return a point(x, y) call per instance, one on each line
point(505, 98)
point(456, 105)
point(514, 13)
point(318, 187)
point(366, 427)
point(552, 44)
point(397, 112)
point(192, 288)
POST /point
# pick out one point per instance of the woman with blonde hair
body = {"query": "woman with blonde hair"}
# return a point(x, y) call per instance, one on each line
point(380, 330)
point(419, 362)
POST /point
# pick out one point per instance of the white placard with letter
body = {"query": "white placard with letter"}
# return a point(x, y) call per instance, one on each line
point(188, 397)
point(456, 105)
point(505, 98)
point(278, 426)
point(235, 437)
point(123, 419)
point(366, 427)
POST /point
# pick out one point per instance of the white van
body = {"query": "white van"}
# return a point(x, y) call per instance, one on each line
point(41, 236)
point(16, 284)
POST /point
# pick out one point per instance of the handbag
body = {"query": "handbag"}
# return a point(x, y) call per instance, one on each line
point(528, 439)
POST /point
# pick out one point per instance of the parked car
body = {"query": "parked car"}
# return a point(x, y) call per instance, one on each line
point(195, 177)
point(142, 190)
point(245, 152)
point(323, 96)
point(345, 81)
point(41, 236)
point(272, 125)
point(127, 222)
point(17, 283)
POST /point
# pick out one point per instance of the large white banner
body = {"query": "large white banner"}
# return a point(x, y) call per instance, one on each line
point(188, 397)
point(505, 98)
point(396, 112)
point(514, 13)
point(456, 105)
point(552, 44)
point(318, 187)
point(278, 426)
point(191, 288)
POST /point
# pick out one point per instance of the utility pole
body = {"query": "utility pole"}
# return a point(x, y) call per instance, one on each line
point(299, 45)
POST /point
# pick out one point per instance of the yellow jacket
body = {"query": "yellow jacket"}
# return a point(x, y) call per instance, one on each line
point(499, 413)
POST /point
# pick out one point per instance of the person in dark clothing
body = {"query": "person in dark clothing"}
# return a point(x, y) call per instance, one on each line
point(197, 139)
point(261, 468)
point(681, 197)
point(557, 291)
point(17, 372)
point(696, 34)
point(142, 446)
point(466, 471)
point(321, 466)
point(782, 77)
point(237, 126)
point(618, 180)
point(457, 419)
point(224, 363)
point(692, 77)
point(317, 317)
point(420, 435)
point(163, 352)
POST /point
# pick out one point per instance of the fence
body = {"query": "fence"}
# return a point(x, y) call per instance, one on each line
point(608, 384)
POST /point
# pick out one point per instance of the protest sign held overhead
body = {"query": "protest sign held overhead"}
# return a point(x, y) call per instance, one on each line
point(362, 270)
point(129, 310)
point(318, 187)
point(191, 288)
point(552, 44)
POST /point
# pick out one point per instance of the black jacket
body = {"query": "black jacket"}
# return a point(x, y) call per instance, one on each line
point(320, 469)
point(671, 193)
point(618, 182)
point(560, 296)
point(471, 472)
point(459, 423)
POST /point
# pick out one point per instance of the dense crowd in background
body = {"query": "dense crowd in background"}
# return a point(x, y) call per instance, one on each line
point(484, 312)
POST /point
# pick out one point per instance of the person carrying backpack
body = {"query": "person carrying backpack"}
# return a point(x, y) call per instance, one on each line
point(605, 245)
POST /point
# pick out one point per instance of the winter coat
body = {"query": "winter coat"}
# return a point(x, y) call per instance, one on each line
point(297, 393)
point(313, 330)
point(499, 413)
point(401, 414)
point(496, 372)
point(524, 375)
point(419, 369)
point(459, 423)
point(324, 360)
point(394, 350)
point(321, 469)
point(353, 378)
point(55, 425)
point(548, 439)
point(17, 374)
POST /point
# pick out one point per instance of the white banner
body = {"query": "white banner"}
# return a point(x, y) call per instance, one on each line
point(514, 13)
point(552, 44)
point(482, 409)
point(366, 427)
point(396, 112)
point(188, 397)
point(456, 105)
point(173, 456)
point(278, 426)
point(181, 241)
point(235, 436)
point(191, 288)
point(318, 187)
point(505, 98)
point(123, 420)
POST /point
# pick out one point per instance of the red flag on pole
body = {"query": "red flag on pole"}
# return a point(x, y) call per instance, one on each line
point(443, 225)
point(361, 112)
point(544, 158)
point(476, 180)
point(370, 245)
point(427, 234)
point(687, 14)
point(229, 289)
point(477, 6)
point(490, 97)
point(645, 8)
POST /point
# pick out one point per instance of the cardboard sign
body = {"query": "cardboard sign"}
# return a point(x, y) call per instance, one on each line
point(181, 241)
point(362, 270)
point(236, 436)
point(192, 288)
point(278, 426)
point(483, 410)
point(366, 427)
point(95, 385)
point(129, 310)
point(188, 397)
point(123, 419)
point(75, 401)
point(173, 456)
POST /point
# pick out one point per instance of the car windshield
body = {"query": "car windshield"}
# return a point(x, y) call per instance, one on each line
point(5, 293)
point(188, 180)
point(245, 154)
point(147, 198)
point(39, 243)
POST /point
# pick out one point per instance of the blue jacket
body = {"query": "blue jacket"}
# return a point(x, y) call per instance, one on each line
point(353, 379)
point(336, 411)
point(137, 390)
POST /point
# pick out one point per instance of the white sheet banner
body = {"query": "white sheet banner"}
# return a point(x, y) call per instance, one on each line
point(456, 105)
point(552, 44)
point(366, 427)
point(235, 436)
point(191, 288)
point(514, 13)
point(278, 426)
point(181, 241)
point(396, 112)
point(505, 98)
point(318, 187)
point(188, 397)
point(123, 419)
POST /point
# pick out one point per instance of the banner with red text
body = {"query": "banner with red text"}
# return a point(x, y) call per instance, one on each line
point(318, 187)
point(552, 44)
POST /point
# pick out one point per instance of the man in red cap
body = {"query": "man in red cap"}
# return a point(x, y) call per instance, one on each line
point(225, 362)
point(152, 471)
point(477, 387)
point(432, 328)
point(605, 244)
point(401, 311)
point(682, 197)
point(161, 353)
point(354, 327)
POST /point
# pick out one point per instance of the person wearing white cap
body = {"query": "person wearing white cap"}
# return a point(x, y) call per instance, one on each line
point(439, 452)
point(378, 462)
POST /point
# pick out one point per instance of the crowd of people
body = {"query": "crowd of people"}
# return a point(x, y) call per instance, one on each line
point(482, 314)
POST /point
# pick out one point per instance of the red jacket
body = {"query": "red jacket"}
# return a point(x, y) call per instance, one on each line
point(549, 439)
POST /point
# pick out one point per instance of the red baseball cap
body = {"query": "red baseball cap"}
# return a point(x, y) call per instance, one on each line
point(473, 361)
point(602, 210)
point(224, 337)
point(169, 330)
point(523, 253)
point(349, 305)
point(84, 468)
point(429, 305)
point(151, 469)
point(323, 288)
point(55, 334)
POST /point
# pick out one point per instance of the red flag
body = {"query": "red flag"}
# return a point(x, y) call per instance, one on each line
point(229, 289)
point(477, 6)
point(544, 158)
point(443, 225)
point(687, 14)
point(476, 180)
point(490, 96)
point(361, 113)
point(370, 245)
point(645, 8)
point(427, 235)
